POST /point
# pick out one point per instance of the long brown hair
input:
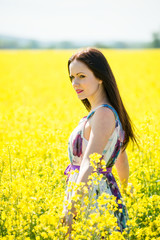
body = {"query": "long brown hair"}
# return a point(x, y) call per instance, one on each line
point(98, 64)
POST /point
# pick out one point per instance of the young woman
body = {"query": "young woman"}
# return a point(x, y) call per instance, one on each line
point(106, 130)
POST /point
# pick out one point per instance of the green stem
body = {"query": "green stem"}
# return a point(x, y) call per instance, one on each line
point(10, 164)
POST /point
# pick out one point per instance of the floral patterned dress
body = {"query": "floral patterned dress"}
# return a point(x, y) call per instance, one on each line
point(76, 148)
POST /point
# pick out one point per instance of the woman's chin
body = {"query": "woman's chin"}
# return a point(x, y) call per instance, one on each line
point(81, 98)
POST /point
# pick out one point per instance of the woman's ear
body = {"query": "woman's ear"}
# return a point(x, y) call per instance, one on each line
point(100, 81)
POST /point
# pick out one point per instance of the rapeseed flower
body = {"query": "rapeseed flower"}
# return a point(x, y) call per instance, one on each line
point(35, 127)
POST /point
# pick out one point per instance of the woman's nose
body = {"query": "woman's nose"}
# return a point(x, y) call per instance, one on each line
point(75, 82)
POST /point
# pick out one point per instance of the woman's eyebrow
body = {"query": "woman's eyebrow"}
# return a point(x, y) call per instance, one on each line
point(76, 74)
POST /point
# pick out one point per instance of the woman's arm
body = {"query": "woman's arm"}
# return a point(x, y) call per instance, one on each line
point(102, 127)
point(122, 167)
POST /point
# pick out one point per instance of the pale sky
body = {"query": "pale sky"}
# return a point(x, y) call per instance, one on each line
point(82, 20)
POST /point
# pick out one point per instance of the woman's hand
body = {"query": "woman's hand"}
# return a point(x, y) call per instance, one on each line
point(67, 220)
point(127, 189)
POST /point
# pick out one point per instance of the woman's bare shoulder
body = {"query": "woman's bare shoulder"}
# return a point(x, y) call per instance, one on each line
point(104, 115)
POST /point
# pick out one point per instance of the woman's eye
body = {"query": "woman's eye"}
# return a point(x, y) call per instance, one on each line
point(82, 76)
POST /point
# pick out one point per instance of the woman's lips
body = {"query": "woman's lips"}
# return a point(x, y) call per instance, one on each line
point(79, 91)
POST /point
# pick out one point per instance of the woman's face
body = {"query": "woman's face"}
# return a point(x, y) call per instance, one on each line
point(83, 80)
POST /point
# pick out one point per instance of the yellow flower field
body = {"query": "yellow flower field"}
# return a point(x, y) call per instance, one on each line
point(38, 111)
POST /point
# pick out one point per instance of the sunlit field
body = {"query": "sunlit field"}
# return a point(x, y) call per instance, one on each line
point(38, 111)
